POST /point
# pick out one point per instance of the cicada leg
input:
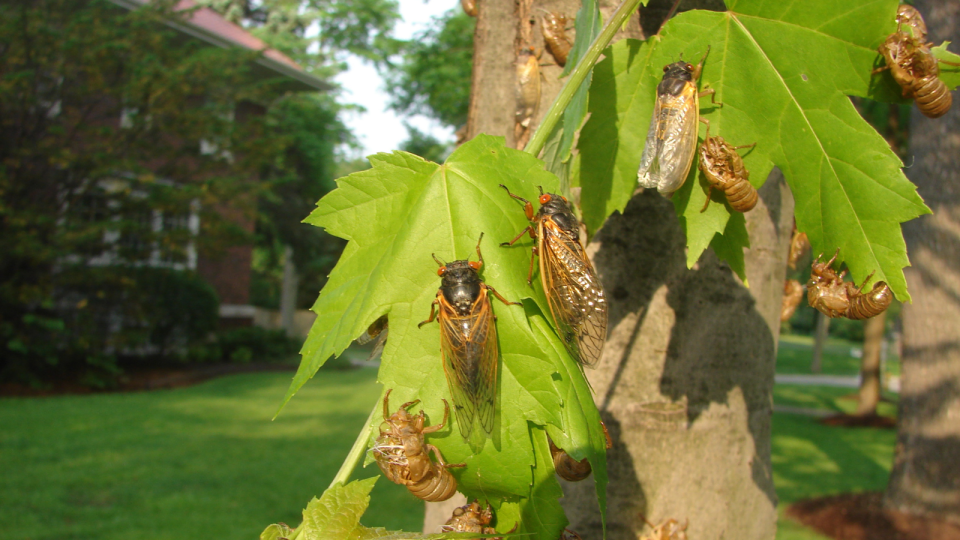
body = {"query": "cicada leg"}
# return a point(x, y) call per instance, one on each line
point(502, 299)
point(433, 313)
point(438, 427)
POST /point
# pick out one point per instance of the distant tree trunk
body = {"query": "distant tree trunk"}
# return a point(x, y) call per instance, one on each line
point(868, 397)
point(288, 293)
point(819, 341)
point(926, 468)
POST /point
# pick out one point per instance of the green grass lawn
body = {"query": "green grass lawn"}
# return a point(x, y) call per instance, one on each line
point(204, 461)
point(208, 461)
point(795, 355)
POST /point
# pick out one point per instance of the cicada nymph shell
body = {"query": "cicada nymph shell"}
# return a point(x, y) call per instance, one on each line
point(825, 290)
point(913, 66)
point(792, 294)
point(829, 294)
point(403, 455)
point(799, 246)
point(469, 7)
point(553, 27)
point(669, 529)
point(866, 305)
point(570, 469)
point(724, 170)
point(472, 518)
point(574, 292)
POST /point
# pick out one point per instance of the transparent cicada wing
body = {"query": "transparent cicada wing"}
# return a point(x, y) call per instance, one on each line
point(678, 131)
point(470, 353)
point(574, 293)
point(648, 176)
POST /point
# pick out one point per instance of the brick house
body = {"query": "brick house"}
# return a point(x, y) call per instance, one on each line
point(230, 273)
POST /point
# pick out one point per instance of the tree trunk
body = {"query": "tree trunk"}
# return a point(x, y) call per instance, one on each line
point(819, 341)
point(686, 378)
point(926, 467)
point(868, 397)
point(288, 293)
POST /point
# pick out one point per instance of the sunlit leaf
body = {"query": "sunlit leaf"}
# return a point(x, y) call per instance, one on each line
point(783, 76)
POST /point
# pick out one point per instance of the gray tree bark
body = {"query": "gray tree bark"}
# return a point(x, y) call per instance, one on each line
point(926, 471)
point(686, 378)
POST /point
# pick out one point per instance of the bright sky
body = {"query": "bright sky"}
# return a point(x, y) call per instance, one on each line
point(379, 129)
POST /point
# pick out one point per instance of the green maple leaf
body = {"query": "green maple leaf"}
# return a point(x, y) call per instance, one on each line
point(783, 73)
point(336, 516)
point(395, 216)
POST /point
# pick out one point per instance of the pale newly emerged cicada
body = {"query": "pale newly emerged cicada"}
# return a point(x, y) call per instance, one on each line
point(527, 94)
point(468, 341)
point(672, 137)
point(574, 292)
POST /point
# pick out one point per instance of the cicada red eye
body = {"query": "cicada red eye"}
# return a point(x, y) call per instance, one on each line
point(475, 265)
point(689, 67)
point(441, 270)
point(545, 198)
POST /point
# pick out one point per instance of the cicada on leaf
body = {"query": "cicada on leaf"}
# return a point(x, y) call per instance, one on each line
point(574, 293)
point(468, 342)
point(672, 137)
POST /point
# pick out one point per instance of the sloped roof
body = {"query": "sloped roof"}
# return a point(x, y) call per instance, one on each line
point(208, 25)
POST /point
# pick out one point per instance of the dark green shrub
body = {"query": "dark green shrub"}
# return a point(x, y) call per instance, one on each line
point(256, 344)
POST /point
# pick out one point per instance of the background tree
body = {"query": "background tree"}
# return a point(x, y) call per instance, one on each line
point(926, 468)
point(104, 113)
point(433, 76)
point(317, 33)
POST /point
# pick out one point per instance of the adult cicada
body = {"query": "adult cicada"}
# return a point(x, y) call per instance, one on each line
point(403, 455)
point(468, 341)
point(574, 292)
point(672, 137)
point(376, 333)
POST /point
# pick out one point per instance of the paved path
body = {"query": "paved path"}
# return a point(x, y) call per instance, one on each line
point(892, 383)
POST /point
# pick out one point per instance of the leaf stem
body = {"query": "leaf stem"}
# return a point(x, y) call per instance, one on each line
point(578, 75)
point(356, 453)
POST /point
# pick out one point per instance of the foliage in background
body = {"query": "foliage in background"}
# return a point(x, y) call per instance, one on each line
point(425, 145)
point(316, 33)
point(311, 131)
point(433, 77)
point(104, 113)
